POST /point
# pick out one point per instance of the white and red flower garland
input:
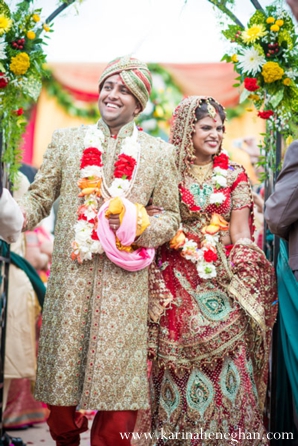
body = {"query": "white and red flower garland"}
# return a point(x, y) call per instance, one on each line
point(205, 256)
point(86, 242)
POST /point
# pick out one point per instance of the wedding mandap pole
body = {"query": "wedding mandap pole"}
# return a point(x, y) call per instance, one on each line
point(5, 257)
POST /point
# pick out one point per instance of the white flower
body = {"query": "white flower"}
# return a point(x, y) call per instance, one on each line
point(220, 181)
point(2, 48)
point(83, 231)
point(90, 212)
point(292, 74)
point(130, 147)
point(190, 250)
point(119, 187)
point(212, 239)
point(91, 171)
point(96, 247)
point(206, 270)
point(220, 171)
point(217, 198)
point(91, 200)
point(251, 61)
point(94, 138)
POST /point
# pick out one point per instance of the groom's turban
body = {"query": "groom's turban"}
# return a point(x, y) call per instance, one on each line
point(134, 74)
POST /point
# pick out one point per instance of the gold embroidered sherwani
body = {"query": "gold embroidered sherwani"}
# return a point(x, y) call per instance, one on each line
point(93, 345)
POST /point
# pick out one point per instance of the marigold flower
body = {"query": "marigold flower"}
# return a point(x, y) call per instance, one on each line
point(234, 58)
point(31, 35)
point(36, 18)
point(5, 24)
point(275, 28)
point(272, 72)
point(20, 63)
point(254, 97)
point(270, 19)
point(46, 28)
point(287, 81)
point(251, 83)
point(279, 22)
point(253, 33)
point(178, 240)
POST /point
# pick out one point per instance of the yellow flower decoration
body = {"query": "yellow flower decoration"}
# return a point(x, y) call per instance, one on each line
point(158, 112)
point(31, 35)
point(287, 81)
point(253, 33)
point(289, 140)
point(20, 64)
point(36, 18)
point(5, 24)
point(254, 97)
point(270, 20)
point(279, 22)
point(249, 109)
point(46, 28)
point(234, 58)
point(275, 28)
point(272, 72)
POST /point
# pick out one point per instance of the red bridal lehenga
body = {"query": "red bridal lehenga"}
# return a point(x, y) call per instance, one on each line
point(210, 348)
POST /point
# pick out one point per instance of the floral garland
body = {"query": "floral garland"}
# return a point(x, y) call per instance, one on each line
point(92, 183)
point(22, 61)
point(265, 55)
point(205, 256)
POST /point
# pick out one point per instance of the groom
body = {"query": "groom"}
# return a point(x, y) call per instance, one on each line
point(93, 346)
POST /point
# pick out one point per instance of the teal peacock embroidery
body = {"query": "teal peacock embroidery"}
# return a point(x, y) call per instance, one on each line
point(169, 395)
point(199, 392)
point(214, 304)
point(201, 195)
point(230, 380)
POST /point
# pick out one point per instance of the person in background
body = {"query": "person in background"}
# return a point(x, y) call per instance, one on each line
point(11, 218)
point(294, 7)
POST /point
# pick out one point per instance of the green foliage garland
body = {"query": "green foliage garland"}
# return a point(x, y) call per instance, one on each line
point(22, 57)
point(265, 56)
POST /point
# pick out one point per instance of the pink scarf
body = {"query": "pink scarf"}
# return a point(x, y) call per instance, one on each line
point(133, 261)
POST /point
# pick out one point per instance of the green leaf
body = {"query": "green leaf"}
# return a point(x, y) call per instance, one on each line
point(277, 98)
point(244, 95)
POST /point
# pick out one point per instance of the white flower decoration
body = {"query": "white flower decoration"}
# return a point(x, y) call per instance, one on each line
point(91, 171)
point(220, 171)
point(217, 198)
point(251, 61)
point(94, 138)
point(206, 270)
point(119, 187)
point(220, 181)
point(2, 48)
point(130, 147)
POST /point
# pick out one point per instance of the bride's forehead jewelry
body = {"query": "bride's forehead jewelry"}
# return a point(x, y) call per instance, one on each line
point(211, 110)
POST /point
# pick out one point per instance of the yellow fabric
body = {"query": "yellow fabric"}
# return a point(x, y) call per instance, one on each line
point(116, 207)
point(142, 219)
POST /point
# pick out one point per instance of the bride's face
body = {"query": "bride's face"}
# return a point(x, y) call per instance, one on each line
point(208, 136)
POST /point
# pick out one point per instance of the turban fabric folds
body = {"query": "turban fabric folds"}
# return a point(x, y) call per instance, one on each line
point(134, 74)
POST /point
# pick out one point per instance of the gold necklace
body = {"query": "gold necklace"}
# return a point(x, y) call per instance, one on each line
point(201, 172)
